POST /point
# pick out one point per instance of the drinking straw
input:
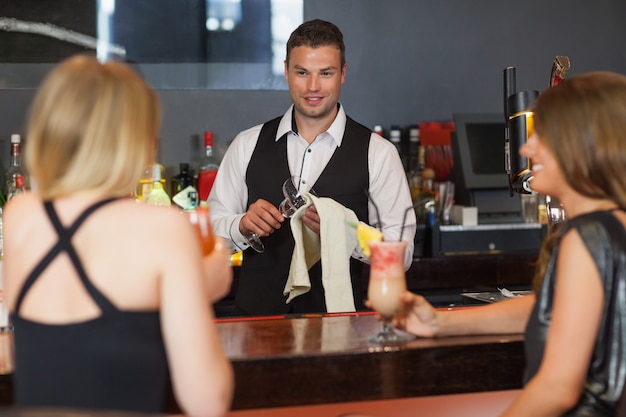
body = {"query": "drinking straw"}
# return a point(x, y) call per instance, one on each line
point(406, 213)
point(369, 197)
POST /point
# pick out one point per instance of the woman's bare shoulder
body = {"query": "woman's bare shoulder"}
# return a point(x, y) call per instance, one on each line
point(148, 224)
point(22, 205)
point(141, 213)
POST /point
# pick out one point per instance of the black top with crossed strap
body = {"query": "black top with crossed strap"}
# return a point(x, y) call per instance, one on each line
point(115, 361)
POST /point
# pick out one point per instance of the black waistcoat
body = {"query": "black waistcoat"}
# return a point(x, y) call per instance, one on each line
point(345, 179)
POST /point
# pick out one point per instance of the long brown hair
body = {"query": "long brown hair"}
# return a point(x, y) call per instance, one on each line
point(583, 123)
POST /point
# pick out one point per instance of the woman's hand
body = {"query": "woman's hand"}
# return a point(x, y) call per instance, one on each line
point(218, 274)
point(417, 316)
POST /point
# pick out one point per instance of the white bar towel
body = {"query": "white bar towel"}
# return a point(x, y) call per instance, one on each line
point(333, 246)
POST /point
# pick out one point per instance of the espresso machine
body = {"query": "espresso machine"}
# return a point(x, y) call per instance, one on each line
point(518, 128)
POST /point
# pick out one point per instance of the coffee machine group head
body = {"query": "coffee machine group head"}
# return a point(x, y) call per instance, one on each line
point(519, 124)
point(518, 128)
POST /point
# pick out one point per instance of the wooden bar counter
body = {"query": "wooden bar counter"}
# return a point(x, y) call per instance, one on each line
point(300, 361)
point(288, 361)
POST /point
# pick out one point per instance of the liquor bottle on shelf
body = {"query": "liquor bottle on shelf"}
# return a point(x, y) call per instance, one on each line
point(414, 172)
point(395, 136)
point(425, 197)
point(146, 180)
point(207, 169)
point(182, 180)
point(187, 198)
point(16, 174)
point(157, 195)
point(184, 193)
point(414, 144)
point(192, 198)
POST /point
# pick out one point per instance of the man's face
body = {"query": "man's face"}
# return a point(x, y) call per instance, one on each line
point(314, 76)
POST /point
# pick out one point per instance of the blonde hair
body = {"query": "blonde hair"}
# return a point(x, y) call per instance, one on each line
point(92, 126)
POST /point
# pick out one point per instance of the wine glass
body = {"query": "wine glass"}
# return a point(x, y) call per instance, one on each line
point(292, 202)
point(387, 282)
point(294, 199)
point(200, 218)
point(254, 241)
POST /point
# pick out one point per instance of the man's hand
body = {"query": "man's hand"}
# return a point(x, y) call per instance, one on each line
point(261, 218)
point(311, 219)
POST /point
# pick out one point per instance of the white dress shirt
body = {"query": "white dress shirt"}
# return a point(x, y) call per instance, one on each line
point(388, 186)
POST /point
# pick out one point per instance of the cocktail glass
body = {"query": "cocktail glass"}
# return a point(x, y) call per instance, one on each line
point(387, 282)
point(200, 218)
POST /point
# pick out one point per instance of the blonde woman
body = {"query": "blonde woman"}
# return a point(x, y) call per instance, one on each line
point(110, 299)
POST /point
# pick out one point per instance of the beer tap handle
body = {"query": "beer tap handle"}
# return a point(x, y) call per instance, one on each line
point(556, 213)
point(560, 66)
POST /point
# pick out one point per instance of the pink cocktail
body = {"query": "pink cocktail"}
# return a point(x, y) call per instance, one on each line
point(387, 282)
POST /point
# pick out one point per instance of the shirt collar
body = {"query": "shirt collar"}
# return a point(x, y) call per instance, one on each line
point(336, 129)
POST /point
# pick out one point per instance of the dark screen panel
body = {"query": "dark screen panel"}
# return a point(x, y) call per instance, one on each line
point(479, 168)
point(486, 147)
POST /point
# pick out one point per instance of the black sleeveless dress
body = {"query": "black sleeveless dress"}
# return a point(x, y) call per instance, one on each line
point(605, 239)
point(116, 361)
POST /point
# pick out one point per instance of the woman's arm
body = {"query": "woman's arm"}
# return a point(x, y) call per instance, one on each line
point(201, 373)
point(217, 272)
point(504, 317)
point(576, 315)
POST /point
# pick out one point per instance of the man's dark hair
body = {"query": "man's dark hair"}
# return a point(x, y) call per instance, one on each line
point(317, 33)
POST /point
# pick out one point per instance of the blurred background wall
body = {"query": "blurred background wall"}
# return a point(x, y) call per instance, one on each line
point(408, 61)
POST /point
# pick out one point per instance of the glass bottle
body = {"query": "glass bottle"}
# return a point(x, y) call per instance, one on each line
point(182, 180)
point(426, 196)
point(184, 193)
point(186, 199)
point(414, 169)
point(207, 170)
point(192, 198)
point(16, 175)
point(414, 143)
point(157, 195)
point(395, 136)
point(145, 182)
